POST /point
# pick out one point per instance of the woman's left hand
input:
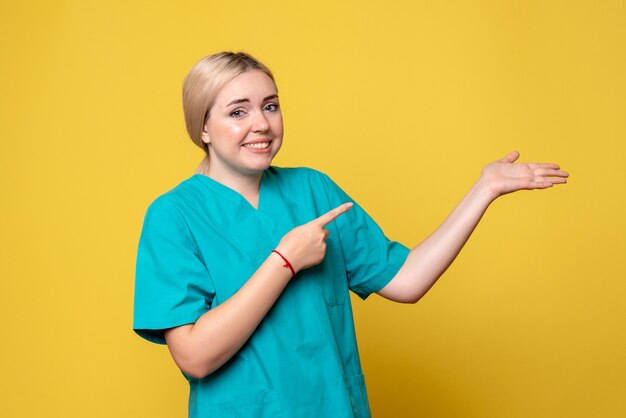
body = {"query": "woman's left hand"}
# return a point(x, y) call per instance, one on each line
point(506, 176)
point(427, 262)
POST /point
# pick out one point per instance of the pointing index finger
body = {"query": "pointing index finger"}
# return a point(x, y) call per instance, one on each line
point(331, 215)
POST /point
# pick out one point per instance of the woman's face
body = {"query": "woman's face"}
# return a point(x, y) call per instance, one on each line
point(244, 130)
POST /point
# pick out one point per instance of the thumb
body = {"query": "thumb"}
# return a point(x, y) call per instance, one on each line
point(511, 157)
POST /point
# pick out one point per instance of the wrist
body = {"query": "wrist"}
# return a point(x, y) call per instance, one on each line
point(484, 191)
point(286, 263)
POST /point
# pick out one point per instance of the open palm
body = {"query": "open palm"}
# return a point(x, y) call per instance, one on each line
point(506, 176)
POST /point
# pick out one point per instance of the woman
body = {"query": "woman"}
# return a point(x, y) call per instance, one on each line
point(243, 269)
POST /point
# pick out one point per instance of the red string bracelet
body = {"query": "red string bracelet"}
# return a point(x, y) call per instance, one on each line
point(287, 263)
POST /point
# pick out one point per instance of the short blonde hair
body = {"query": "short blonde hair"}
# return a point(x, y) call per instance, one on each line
point(204, 82)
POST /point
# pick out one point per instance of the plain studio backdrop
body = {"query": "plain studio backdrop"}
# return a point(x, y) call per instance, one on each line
point(401, 103)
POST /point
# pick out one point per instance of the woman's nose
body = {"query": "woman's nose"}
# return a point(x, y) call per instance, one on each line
point(260, 123)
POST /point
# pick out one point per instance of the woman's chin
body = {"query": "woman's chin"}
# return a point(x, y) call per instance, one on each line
point(258, 168)
point(260, 164)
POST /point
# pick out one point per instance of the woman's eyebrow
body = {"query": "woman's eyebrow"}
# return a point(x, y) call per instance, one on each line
point(246, 100)
point(238, 101)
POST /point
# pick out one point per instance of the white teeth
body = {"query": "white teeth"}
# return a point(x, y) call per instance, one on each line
point(259, 145)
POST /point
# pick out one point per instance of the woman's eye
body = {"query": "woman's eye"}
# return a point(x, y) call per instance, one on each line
point(272, 107)
point(236, 113)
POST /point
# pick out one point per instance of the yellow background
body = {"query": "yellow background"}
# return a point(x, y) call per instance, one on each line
point(402, 103)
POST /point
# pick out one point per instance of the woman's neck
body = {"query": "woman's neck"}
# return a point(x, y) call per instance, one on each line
point(246, 185)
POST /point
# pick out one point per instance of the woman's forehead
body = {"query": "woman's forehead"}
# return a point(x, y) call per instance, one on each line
point(253, 85)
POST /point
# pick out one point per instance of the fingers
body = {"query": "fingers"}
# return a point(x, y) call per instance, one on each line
point(551, 166)
point(549, 172)
point(558, 180)
point(547, 177)
point(511, 157)
point(549, 169)
point(331, 215)
point(544, 182)
point(538, 169)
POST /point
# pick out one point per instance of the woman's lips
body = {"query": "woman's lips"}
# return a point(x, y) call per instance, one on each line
point(260, 147)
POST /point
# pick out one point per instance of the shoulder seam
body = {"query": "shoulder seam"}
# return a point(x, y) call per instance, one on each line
point(181, 219)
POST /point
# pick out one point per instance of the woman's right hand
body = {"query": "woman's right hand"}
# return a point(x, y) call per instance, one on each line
point(305, 245)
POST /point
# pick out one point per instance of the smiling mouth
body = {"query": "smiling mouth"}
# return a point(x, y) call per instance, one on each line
point(258, 145)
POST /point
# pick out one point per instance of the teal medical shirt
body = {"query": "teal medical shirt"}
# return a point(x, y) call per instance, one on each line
point(201, 241)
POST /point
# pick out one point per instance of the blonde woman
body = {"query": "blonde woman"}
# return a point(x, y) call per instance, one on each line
point(244, 268)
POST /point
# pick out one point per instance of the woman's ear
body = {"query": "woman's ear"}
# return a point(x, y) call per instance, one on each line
point(205, 134)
